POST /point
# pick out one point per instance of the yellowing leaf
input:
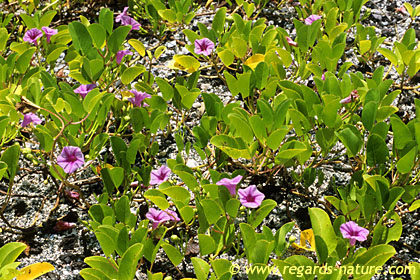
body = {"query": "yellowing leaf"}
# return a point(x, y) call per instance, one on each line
point(35, 270)
point(306, 236)
point(185, 63)
point(254, 60)
point(138, 46)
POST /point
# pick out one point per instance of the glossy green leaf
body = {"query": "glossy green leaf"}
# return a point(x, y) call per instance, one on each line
point(207, 244)
point(322, 227)
point(128, 264)
point(173, 254)
point(131, 73)
point(117, 38)
point(201, 268)
point(259, 215)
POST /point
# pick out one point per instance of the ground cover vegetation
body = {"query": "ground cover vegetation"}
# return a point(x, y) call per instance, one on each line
point(275, 124)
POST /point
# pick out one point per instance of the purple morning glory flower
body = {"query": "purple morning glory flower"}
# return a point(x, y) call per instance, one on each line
point(309, 20)
point(353, 232)
point(127, 20)
point(251, 197)
point(139, 97)
point(49, 32)
point(157, 217)
point(83, 90)
point(159, 176)
point(203, 46)
point(120, 54)
point(230, 184)
point(123, 14)
point(32, 36)
point(323, 76)
point(71, 159)
point(353, 96)
point(30, 118)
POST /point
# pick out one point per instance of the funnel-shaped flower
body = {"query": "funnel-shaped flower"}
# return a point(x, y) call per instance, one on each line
point(159, 176)
point(139, 97)
point(71, 159)
point(126, 20)
point(49, 32)
point(157, 217)
point(83, 90)
point(203, 46)
point(62, 226)
point(32, 36)
point(353, 96)
point(311, 19)
point(230, 184)
point(30, 118)
point(251, 197)
point(353, 232)
point(123, 14)
point(120, 54)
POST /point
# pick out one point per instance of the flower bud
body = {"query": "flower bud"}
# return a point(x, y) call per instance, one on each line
point(174, 238)
point(292, 239)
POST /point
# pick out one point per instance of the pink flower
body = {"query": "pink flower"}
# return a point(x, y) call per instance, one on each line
point(72, 194)
point(250, 197)
point(62, 225)
point(157, 217)
point(49, 32)
point(402, 10)
point(32, 36)
point(30, 118)
point(291, 42)
point(311, 19)
point(71, 159)
point(203, 46)
point(159, 176)
point(353, 232)
point(83, 90)
point(323, 77)
point(126, 20)
point(120, 54)
point(139, 97)
point(230, 184)
point(123, 14)
point(353, 96)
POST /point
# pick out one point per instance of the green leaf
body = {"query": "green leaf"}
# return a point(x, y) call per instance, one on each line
point(258, 216)
point(239, 47)
point(322, 227)
point(107, 237)
point(158, 198)
point(80, 36)
point(23, 61)
point(406, 163)
point(165, 88)
point(242, 127)
point(280, 238)
point(375, 256)
point(376, 150)
point(226, 56)
point(201, 268)
point(187, 214)
point(98, 34)
point(212, 210)
point(351, 139)
point(402, 134)
point(112, 178)
point(10, 252)
point(168, 15)
point(129, 261)
point(173, 254)
point(106, 19)
point(102, 264)
point(369, 114)
point(11, 158)
point(92, 99)
point(383, 234)
point(177, 193)
point(47, 17)
point(234, 147)
point(4, 36)
point(389, 55)
point(207, 244)
point(187, 178)
point(122, 209)
point(276, 137)
point(117, 38)
point(131, 73)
